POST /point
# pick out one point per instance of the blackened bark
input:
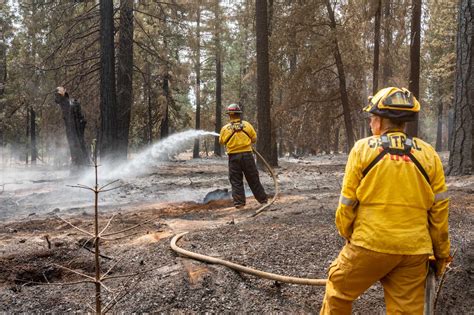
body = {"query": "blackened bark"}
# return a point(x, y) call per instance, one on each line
point(108, 107)
point(198, 79)
point(164, 127)
point(264, 143)
point(450, 127)
point(281, 151)
point(218, 125)
point(75, 124)
point(461, 158)
point(439, 131)
point(165, 120)
point(342, 80)
point(375, 80)
point(3, 61)
point(274, 152)
point(33, 148)
point(387, 44)
point(3, 78)
point(414, 80)
point(124, 77)
point(336, 140)
point(149, 120)
point(27, 142)
point(217, 146)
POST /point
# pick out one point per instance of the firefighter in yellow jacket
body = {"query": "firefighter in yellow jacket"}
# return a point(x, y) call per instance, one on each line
point(238, 136)
point(393, 212)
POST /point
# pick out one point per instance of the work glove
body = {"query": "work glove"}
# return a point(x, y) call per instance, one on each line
point(440, 264)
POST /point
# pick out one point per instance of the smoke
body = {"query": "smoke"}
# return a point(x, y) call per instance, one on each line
point(42, 189)
point(151, 157)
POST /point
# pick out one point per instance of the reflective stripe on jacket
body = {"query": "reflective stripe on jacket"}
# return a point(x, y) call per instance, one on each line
point(393, 209)
point(238, 141)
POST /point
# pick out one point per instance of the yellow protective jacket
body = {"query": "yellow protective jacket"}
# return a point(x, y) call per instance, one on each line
point(393, 209)
point(238, 136)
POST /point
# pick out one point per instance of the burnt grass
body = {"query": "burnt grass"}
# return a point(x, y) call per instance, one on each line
point(297, 237)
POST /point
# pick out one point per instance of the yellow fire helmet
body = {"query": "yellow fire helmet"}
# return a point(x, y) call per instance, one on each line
point(393, 103)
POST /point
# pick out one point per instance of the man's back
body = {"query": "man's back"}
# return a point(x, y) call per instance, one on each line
point(394, 198)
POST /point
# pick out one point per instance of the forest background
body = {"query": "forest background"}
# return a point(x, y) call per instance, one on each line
point(142, 70)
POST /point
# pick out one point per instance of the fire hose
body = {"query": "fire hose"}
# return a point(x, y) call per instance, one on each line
point(430, 299)
point(234, 266)
point(248, 270)
point(275, 182)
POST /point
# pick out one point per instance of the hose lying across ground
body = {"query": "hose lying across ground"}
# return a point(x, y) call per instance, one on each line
point(251, 271)
point(275, 182)
point(255, 272)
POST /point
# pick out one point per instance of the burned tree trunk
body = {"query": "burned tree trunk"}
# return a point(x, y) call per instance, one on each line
point(342, 79)
point(108, 107)
point(27, 142)
point(375, 79)
point(439, 131)
point(387, 44)
point(3, 61)
point(3, 78)
point(461, 158)
point(124, 77)
point(217, 145)
point(164, 128)
point(198, 79)
point(75, 125)
point(33, 148)
point(264, 143)
point(415, 44)
point(218, 124)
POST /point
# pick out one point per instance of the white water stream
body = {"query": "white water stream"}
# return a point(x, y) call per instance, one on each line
point(41, 189)
point(151, 157)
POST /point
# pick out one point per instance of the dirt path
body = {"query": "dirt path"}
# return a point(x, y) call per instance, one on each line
point(297, 238)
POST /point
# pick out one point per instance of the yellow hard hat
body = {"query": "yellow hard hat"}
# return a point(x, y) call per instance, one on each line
point(393, 103)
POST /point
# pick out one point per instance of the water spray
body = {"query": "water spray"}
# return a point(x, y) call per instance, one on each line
point(144, 160)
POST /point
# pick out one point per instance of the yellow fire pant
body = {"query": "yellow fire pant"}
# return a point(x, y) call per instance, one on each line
point(356, 269)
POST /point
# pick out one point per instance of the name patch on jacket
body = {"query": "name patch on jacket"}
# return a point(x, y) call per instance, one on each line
point(395, 141)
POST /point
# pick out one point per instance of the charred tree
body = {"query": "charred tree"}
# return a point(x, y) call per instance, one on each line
point(3, 61)
point(108, 106)
point(218, 125)
point(149, 116)
point(439, 130)
point(375, 81)
point(198, 79)
point(264, 143)
point(461, 158)
point(124, 77)
point(217, 146)
point(336, 141)
point(27, 142)
point(415, 41)
point(387, 44)
point(165, 120)
point(164, 128)
point(342, 79)
point(3, 77)
point(75, 124)
point(33, 148)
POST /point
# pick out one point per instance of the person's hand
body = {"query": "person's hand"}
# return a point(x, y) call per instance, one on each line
point(441, 264)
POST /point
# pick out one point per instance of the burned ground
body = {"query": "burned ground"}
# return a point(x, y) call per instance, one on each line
point(297, 237)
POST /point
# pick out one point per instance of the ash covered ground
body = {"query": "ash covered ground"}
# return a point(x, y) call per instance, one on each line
point(296, 237)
